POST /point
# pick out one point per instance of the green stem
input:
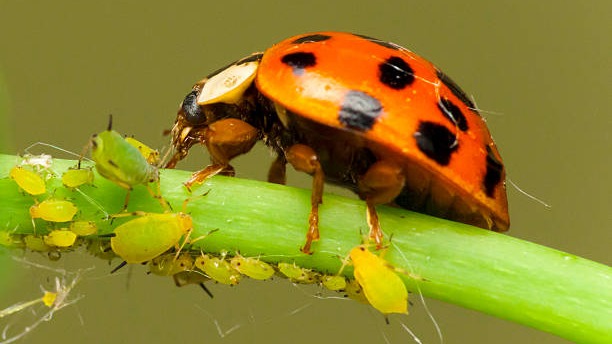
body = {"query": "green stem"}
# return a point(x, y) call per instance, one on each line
point(509, 278)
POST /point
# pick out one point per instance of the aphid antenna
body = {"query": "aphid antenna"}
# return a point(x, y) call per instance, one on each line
point(27, 150)
point(420, 293)
point(531, 197)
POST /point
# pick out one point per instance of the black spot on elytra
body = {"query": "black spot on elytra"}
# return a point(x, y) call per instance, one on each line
point(457, 91)
point(299, 61)
point(191, 110)
point(436, 142)
point(493, 176)
point(395, 73)
point(453, 113)
point(311, 39)
point(359, 110)
point(380, 42)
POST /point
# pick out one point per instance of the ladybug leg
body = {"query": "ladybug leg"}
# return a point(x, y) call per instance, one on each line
point(304, 159)
point(277, 172)
point(225, 139)
point(381, 184)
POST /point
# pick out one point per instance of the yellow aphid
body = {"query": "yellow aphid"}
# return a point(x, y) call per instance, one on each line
point(218, 269)
point(150, 235)
point(334, 283)
point(152, 155)
point(36, 244)
point(252, 267)
point(298, 274)
point(54, 210)
point(77, 177)
point(29, 181)
point(381, 285)
point(49, 298)
point(83, 228)
point(60, 238)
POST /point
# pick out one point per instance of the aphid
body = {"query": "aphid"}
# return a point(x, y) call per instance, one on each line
point(60, 238)
point(252, 267)
point(167, 265)
point(9, 239)
point(29, 181)
point(36, 243)
point(54, 210)
point(334, 282)
point(298, 274)
point(73, 178)
point(83, 228)
point(149, 235)
point(355, 292)
point(120, 162)
point(184, 278)
point(381, 285)
point(218, 269)
point(150, 154)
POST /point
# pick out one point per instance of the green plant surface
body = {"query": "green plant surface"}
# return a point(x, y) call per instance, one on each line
point(494, 273)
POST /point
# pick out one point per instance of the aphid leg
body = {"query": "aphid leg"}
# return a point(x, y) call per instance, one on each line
point(381, 183)
point(304, 159)
point(277, 172)
point(127, 200)
point(225, 139)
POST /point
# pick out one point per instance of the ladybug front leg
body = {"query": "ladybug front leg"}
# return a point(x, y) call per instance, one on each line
point(225, 139)
point(381, 184)
point(304, 159)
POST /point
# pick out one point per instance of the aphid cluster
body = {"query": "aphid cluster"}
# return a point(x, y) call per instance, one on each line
point(54, 214)
point(158, 238)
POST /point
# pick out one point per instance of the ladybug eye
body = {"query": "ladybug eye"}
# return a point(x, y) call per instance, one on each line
point(192, 111)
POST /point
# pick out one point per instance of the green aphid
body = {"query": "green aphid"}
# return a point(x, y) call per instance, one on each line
point(218, 269)
point(150, 235)
point(252, 267)
point(298, 274)
point(36, 243)
point(120, 162)
point(74, 178)
point(83, 228)
point(168, 265)
point(334, 282)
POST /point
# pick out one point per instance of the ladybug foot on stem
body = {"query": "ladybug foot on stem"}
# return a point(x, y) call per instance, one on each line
point(209, 171)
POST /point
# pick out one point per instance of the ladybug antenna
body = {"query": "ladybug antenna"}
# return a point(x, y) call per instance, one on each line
point(110, 122)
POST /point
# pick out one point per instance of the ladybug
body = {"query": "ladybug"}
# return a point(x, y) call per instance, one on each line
point(359, 112)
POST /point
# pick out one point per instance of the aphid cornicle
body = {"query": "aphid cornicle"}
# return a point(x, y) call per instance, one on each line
point(363, 113)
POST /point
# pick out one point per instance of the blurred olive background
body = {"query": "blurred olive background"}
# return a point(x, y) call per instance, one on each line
point(540, 70)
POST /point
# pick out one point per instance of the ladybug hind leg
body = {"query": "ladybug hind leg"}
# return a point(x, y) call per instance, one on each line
point(304, 159)
point(225, 139)
point(380, 184)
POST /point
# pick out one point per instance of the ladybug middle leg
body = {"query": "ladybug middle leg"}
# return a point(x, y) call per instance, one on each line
point(380, 184)
point(304, 159)
point(225, 139)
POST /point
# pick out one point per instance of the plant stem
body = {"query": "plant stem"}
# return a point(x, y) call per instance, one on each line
point(509, 278)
